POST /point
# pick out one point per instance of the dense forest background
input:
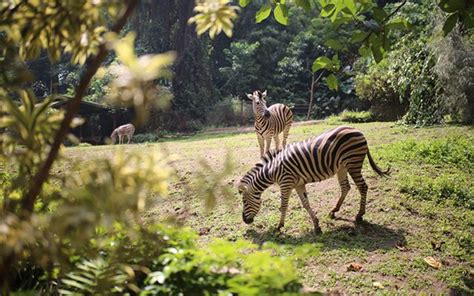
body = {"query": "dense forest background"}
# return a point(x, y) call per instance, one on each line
point(425, 79)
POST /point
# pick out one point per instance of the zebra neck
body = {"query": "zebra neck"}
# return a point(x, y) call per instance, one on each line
point(263, 179)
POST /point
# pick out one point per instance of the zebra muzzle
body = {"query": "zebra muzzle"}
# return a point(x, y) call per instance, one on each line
point(266, 114)
point(247, 220)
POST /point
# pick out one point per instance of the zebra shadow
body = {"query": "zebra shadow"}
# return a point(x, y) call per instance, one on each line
point(367, 236)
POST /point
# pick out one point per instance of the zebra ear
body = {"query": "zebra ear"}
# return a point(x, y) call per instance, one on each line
point(243, 188)
point(264, 94)
point(250, 97)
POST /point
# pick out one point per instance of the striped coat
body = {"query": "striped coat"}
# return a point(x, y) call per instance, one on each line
point(340, 151)
point(270, 122)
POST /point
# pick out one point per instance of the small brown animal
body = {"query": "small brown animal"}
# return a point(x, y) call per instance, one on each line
point(122, 131)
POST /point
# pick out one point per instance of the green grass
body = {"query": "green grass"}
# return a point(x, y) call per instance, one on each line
point(405, 209)
point(352, 117)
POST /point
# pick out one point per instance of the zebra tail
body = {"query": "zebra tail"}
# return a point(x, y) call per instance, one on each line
point(377, 169)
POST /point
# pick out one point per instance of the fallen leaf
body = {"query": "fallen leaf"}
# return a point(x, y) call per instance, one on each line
point(433, 262)
point(354, 267)
point(378, 285)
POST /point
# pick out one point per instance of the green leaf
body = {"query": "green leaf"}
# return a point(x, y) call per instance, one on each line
point(263, 13)
point(451, 6)
point(379, 14)
point(321, 63)
point(350, 4)
point(364, 51)
point(398, 24)
point(331, 81)
point(467, 18)
point(244, 3)
point(328, 10)
point(358, 36)
point(304, 4)
point(450, 23)
point(334, 44)
point(281, 14)
point(376, 46)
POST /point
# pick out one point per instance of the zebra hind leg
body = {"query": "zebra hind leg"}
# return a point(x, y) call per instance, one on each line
point(362, 186)
point(345, 187)
point(305, 202)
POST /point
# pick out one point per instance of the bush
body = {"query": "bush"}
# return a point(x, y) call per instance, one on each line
point(444, 187)
point(351, 116)
point(438, 169)
point(145, 138)
point(174, 265)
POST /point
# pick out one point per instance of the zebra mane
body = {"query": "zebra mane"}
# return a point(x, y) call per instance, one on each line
point(266, 158)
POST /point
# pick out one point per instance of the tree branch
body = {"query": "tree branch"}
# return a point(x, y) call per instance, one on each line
point(386, 19)
point(92, 65)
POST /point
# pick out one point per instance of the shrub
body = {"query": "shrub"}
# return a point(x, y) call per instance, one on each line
point(145, 138)
point(174, 265)
point(444, 187)
point(351, 116)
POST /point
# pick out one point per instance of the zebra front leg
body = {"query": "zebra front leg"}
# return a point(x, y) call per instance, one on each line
point(268, 142)
point(129, 139)
point(260, 144)
point(301, 190)
point(345, 187)
point(283, 208)
point(277, 142)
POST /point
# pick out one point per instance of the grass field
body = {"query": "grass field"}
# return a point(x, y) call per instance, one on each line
point(406, 221)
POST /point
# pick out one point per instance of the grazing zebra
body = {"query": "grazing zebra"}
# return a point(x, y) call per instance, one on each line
point(335, 152)
point(122, 131)
point(270, 122)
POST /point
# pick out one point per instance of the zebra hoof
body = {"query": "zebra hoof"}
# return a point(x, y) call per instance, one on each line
point(317, 231)
point(359, 219)
point(332, 215)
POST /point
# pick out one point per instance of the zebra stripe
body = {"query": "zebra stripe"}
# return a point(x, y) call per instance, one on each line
point(270, 122)
point(336, 152)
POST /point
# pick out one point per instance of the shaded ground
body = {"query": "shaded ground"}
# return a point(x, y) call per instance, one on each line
point(390, 246)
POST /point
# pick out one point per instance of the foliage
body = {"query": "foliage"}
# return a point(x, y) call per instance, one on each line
point(215, 16)
point(444, 187)
point(145, 138)
point(351, 116)
point(454, 154)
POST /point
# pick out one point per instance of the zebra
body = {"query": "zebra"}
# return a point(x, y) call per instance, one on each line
point(339, 151)
point(122, 131)
point(270, 122)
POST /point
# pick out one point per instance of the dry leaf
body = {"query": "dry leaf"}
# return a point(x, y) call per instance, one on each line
point(433, 262)
point(354, 267)
point(378, 285)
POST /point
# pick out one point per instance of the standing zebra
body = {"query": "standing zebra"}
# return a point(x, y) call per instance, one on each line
point(270, 122)
point(338, 151)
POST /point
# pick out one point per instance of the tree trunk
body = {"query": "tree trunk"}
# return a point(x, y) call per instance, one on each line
point(314, 82)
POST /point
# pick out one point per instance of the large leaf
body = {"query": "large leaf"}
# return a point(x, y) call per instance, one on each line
point(304, 4)
point(379, 14)
point(334, 44)
point(328, 10)
point(331, 81)
point(263, 13)
point(376, 46)
point(398, 24)
point(281, 14)
point(450, 23)
point(451, 6)
point(358, 36)
point(321, 63)
point(351, 6)
point(244, 3)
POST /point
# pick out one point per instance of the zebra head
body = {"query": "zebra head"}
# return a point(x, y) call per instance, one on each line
point(113, 137)
point(259, 103)
point(251, 201)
